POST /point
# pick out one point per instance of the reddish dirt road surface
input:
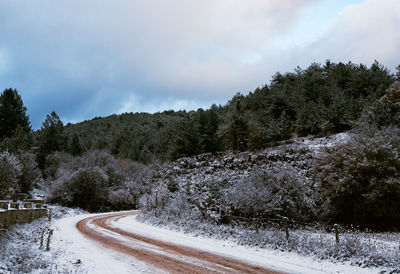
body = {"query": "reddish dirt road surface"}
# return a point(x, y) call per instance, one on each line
point(166, 256)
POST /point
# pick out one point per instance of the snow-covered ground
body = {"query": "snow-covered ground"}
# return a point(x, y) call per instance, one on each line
point(281, 261)
point(71, 246)
point(71, 252)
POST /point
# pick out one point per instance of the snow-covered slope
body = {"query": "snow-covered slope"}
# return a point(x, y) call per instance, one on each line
point(296, 155)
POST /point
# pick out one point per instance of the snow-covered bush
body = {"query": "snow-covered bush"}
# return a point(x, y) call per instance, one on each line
point(99, 158)
point(122, 199)
point(360, 181)
point(158, 199)
point(273, 193)
point(163, 206)
point(122, 185)
point(384, 112)
point(10, 170)
point(262, 194)
point(391, 99)
point(57, 161)
point(30, 173)
point(125, 196)
point(86, 189)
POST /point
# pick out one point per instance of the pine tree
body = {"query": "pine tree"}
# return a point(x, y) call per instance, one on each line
point(75, 147)
point(208, 125)
point(188, 140)
point(12, 113)
point(19, 141)
point(235, 131)
point(51, 138)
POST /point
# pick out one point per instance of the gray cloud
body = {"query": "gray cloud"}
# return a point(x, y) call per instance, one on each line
point(97, 57)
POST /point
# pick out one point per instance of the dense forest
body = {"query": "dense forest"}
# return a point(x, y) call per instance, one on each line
point(318, 100)
point(103, 163)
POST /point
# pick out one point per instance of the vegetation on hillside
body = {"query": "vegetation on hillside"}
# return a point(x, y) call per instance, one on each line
point(104, 163)
point(318, 100)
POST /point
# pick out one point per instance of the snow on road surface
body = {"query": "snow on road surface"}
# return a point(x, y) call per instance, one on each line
point(171, 257)
point(96, 258)
point(89, 256)
point(70, 247)
point(276, 260)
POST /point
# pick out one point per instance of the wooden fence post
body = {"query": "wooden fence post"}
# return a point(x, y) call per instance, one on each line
point(255, 224)
point(48, 240)
point(285, 222)
point(336, 232)
point(41, 238)
point(231, 219)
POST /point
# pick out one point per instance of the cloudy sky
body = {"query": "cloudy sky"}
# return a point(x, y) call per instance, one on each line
point(98, 57)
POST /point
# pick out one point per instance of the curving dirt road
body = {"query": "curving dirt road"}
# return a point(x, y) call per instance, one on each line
point(169, 257)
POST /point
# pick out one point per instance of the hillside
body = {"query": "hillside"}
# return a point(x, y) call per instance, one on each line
point(141, 136)
point(319, 100)
point(211, 187)
point(247, 197)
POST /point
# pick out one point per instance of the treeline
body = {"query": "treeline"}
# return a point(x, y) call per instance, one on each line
point(318, 100)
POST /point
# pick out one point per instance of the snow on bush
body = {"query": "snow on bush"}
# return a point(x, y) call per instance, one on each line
point(10, 170)
point(272, 193)
point(360, 181)
point(85, 188)
point(95, 181)
point(30, 174)
point(275, 181)
point(18, 173)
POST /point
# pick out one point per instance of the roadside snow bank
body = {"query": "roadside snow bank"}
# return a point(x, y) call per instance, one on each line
point(281, 261)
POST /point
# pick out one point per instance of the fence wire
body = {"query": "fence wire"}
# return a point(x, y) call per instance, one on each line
point(278, 222)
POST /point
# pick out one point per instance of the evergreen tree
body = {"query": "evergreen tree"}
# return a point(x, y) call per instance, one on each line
point(208, 125)
point(19, 141)
point(75, 146)
point(12, 113)
point(188, 141)
point(236, 131)
point(30, 174)
point(51, 138)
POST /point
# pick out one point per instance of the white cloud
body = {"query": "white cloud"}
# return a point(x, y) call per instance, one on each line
point(133, 102)
point(363, 33)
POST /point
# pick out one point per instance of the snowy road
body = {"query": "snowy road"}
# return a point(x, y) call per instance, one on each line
point(173, 258)
point(119, 243)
